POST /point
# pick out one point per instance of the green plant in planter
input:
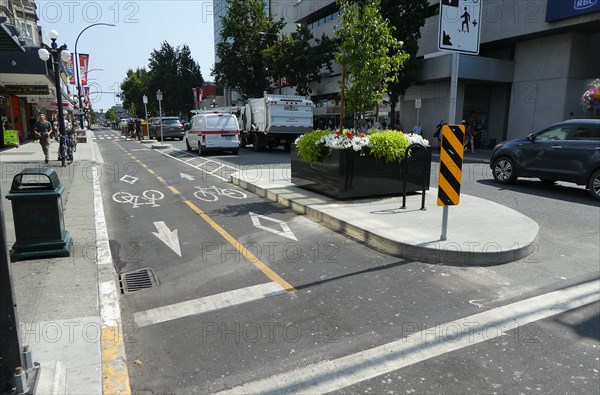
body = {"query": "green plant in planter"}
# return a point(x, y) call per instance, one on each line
point(389, 145)
point(309, 146)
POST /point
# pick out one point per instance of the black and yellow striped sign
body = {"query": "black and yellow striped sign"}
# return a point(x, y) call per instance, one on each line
point(451, 160)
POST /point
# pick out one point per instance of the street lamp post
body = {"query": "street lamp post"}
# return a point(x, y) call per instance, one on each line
point(56, 52)
point(81, 115)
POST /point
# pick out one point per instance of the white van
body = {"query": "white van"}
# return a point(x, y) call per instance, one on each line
point(213, 131)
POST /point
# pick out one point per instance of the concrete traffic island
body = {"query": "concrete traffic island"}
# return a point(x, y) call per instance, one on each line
point(480, 232)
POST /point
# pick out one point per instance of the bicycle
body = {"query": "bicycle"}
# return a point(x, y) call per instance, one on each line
point(65, 151)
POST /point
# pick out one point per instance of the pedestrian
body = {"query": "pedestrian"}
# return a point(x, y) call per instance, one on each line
point(138, 129)
point(130, 129)
point(469, 135)
point(438, 132)
point(43, 130)
point(417, 129)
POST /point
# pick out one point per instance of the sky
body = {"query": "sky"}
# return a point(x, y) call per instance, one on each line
point(141, 27)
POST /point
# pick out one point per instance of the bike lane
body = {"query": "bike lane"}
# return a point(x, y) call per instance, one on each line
point(347, 297)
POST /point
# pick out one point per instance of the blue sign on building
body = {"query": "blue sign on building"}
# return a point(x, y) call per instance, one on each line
point(562, 9)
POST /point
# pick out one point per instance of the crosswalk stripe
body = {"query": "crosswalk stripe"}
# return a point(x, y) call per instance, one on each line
point(333, 375)
point(206, 304)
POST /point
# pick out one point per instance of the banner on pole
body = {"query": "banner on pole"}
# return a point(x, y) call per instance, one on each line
point(83, 67)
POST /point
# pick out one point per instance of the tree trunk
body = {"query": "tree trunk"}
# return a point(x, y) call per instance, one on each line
point(393, 102)
point(343, 85)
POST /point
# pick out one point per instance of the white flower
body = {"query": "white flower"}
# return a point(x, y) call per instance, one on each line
point(417, 139)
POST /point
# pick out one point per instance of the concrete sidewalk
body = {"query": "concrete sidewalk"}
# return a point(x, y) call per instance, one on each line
point(60, 300)
point(480, 232)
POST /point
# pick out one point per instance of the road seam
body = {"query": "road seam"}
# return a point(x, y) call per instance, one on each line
point(418, 346)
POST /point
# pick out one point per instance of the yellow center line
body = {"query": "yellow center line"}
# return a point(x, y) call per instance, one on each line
point(159, 178)
point(174, 190)
point(267, 271)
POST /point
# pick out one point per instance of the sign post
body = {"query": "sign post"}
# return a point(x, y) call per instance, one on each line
point(145, 100)
point(159, 97)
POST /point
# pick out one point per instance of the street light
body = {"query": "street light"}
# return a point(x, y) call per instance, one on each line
point(55, 52)
point(81, 115)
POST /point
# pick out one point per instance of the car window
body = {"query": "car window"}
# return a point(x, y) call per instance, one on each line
point(170, 121)
point(587, 133)
point(558, 133)
point(221, 122)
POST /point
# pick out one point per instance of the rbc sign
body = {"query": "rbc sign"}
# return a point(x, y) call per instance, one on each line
point(563, 9)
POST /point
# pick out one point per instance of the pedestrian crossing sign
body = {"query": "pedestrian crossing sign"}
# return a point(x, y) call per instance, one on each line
point(460, 24)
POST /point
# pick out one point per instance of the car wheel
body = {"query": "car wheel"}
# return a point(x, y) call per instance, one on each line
point(200, 153)
point(595, 185)
point(187, 146)
point(503, 170)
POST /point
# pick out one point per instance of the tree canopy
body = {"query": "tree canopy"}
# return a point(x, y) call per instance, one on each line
point(293, 57)
point(247, 31)
point(407, 17)
point(170, 69)
point(369, 53)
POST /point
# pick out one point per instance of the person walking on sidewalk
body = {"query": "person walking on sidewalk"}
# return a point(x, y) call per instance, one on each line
point(469, 136)
point(43, 129)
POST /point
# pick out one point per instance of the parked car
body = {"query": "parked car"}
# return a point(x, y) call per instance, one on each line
point(566, 151)
point(172, 128)
point(213, 131)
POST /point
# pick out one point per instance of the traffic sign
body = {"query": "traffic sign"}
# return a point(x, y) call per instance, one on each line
point(159, 95)
point(451, 160)
point(460, 25)
point(417, 103)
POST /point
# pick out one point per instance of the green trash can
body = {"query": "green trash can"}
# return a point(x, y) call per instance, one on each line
point(36, 196)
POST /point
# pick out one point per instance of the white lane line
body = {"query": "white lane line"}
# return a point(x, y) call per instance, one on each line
point(332, 375)
point(217, 169)
point(207, 304)
point(195, 167)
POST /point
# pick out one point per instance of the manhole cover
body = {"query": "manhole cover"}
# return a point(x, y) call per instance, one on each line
point(138, 279)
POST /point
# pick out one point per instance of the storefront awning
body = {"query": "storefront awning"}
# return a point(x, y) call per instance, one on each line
point(9, 38)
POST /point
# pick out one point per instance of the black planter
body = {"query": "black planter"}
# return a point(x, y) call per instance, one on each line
point(347, 174)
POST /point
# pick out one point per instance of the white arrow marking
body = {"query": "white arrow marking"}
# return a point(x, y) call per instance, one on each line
point(285, 229)
point(187, 176)
point(167, 236)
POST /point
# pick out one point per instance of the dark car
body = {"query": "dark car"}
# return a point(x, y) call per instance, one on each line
point(566, 151)
point(172, 128)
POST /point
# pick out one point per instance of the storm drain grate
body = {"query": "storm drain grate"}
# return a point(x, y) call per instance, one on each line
point(138, 279)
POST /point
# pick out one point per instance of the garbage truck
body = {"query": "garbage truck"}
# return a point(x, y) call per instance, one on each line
point(275, 120)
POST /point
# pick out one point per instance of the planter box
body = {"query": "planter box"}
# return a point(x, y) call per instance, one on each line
point(346, 174)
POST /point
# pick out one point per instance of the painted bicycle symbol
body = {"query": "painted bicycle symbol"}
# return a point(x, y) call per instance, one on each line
point(149, 196)
point(211, 194)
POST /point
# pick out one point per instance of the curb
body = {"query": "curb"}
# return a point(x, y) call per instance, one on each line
point(434, 253)
point(115, 374)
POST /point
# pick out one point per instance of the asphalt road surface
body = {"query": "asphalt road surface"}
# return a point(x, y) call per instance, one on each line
point(250, 297)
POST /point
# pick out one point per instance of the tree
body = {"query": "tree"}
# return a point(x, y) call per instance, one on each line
point(247, 31)
point(111, 114)
point(134, 87)
point(407, 17)
point(175, 73)
point(368, 54)
point(294, 58)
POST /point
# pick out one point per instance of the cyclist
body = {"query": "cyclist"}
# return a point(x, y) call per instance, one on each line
point(130, 129)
